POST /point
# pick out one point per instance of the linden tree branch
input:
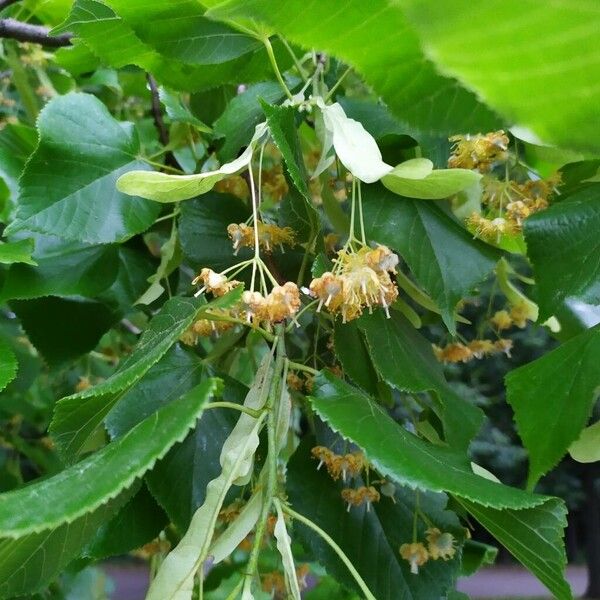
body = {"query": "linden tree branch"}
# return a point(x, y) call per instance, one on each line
point(25, 32)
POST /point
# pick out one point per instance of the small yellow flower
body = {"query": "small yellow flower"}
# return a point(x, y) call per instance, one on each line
point(453, 353)
point(504, 345)
point(269, 236)
point(440, 545)
point(215, 283)
point(283, 301)
point(361, 495)
point(208, 327)
point(481, 348)
point(479, 152)
point(416, 554)
point(234, 185)
point(520, 313)
point(501, 320)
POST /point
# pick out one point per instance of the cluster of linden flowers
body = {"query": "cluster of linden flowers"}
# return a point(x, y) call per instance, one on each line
point(269, 236)
point(479, 152)
point(282, 302)
point(359, 279)
point(273, 583)
point(459, 352)
point(350, 465)
point(439, 545)
point(518, 315)
point(508, 204)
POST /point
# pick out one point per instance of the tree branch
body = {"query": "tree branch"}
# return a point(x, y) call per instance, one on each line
point(161, 128)
point(163, 134)
point(24, 32)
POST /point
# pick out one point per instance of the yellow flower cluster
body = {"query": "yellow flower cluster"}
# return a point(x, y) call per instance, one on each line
point(344, 465)
point(359, 279)
point(518, 315)
point(361, 495)
point(479, 152)
point(273, 183)
point(273, 583)
point(491, 230)
point(269, 235)
point(508, 204)
point(235, 185)
point(283, 301)
point(439, 545)
point(457, 352)
point(215, 283)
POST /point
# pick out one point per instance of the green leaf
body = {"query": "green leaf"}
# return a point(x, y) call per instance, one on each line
point(435, 185)
point(391, 60)
point(64, 268)
point(242, 115)
point(586, 448)
point(78, 417)
point(178, 112)
point(281, 121)
point(405, 360)
point(46, 524)
point(17, 142)
point(203, 230)
point(94, 22)
point(387, 525)
point(17, 252)
point(299, 213)
point(81, 153)
point(136, 524)
point(475, 555)
point(63, 329)
point(353, 354)
point(534, 536)
point(403, 457)
point(180, 32)
point(8, 364)
point(553, 397)
point(562, 242)
point(512, 74)
point(446, 261)
point(177, 372)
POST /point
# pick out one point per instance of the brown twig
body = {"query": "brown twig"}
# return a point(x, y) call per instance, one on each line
point(163, 133)
point(25, 32)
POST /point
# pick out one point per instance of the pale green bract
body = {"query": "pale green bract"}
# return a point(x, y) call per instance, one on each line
point(162, 187)
point(586, 449)
point(175, 579)
point(357, 150)
point(354, 145)
point(232, 537)
point(284, 545)
point(432, 185)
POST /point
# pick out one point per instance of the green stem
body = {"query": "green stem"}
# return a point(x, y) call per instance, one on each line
point(297, 64)
point(359, 580)
point(271, 466)
point(273, 60)
point(300, 367)
point(21, 81)
point(161, 166)
point(249, 411)
point(337, 84)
